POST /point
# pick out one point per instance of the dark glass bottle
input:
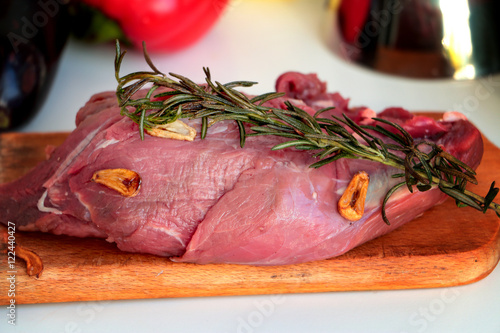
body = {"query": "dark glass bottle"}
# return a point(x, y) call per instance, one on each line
point(422, 38)
point(33, 36)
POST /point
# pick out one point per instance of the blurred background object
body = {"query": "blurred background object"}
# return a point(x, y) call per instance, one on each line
point(457, 39)
point(165, 25)
point(33, 35)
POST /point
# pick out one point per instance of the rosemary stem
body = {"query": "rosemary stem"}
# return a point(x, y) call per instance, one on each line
point(493, 205)
point(437, 181)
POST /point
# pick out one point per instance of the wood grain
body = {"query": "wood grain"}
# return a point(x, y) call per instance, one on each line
point(446, 246)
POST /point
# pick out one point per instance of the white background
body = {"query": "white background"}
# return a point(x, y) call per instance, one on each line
point(259, 40)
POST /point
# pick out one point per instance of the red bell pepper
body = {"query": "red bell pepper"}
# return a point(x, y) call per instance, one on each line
point(352, 16)
point(165, 25)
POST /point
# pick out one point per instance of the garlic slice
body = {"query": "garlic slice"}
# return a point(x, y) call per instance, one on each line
point(124, 181)
point(352, 203)
point(176, 130)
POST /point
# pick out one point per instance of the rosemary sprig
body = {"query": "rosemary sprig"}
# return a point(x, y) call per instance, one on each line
point(329, 138)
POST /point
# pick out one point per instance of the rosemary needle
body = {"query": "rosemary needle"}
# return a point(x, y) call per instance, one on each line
point(329, 138)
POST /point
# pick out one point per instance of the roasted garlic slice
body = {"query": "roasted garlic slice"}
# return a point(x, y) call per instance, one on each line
point(34, 264)
point(176, 130)
point(124, 181)
point(352, 203)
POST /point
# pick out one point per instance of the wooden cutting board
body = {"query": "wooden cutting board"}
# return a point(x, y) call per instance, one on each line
point(446, 246)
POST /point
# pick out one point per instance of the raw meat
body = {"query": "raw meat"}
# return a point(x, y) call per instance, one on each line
point(210, 201)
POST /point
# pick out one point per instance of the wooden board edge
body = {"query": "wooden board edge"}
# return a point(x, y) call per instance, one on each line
point(380, 274)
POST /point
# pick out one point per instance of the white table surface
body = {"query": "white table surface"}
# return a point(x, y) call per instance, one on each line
point(258, 40)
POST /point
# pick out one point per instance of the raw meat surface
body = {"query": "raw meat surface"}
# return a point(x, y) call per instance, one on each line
point(210, 201)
